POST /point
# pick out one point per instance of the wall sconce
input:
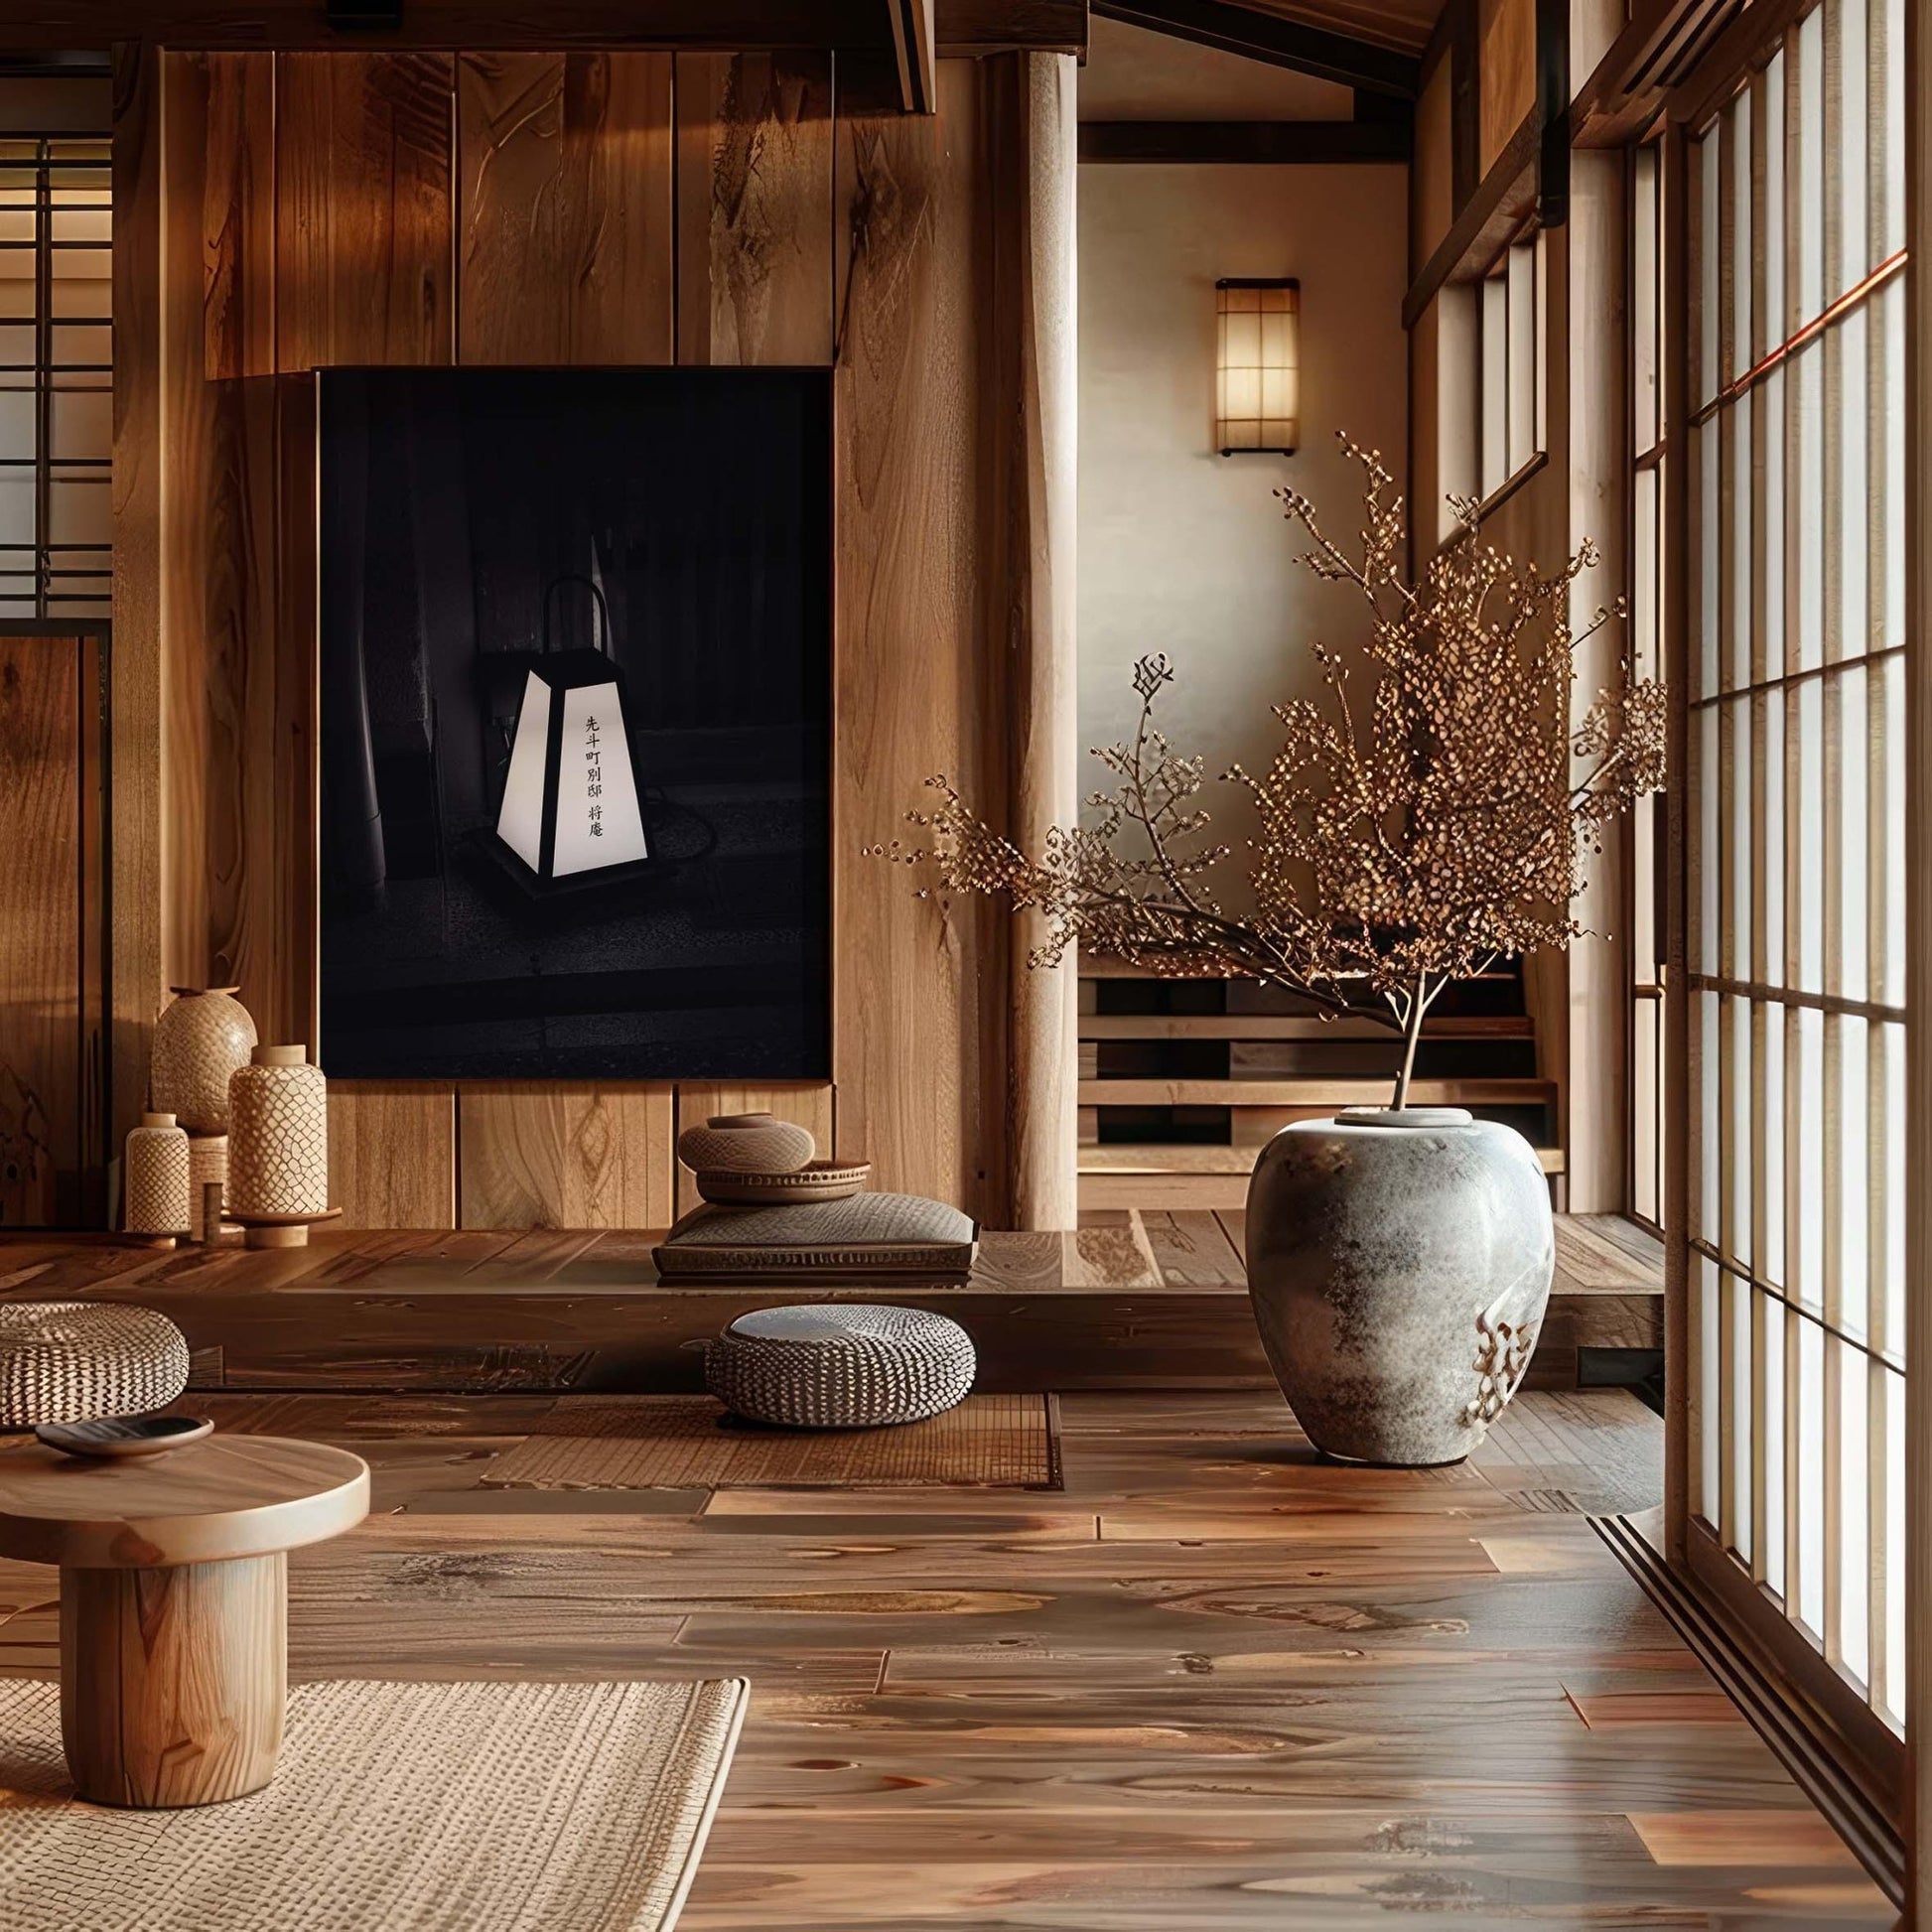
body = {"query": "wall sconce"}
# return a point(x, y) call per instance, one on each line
point(569, 798)
point(1258, 372)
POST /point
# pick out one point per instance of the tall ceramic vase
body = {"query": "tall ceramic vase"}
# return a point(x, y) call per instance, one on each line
point(278, 1146)
point(202, 1036)
point(1399, 1262)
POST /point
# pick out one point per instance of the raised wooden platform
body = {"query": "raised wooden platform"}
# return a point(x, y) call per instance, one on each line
point(1130, 1300)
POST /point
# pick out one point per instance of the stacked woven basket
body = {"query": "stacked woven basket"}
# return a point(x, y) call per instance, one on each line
point(760, 1161)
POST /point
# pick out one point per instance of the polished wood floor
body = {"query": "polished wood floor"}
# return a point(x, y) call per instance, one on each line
point(1212, 1683)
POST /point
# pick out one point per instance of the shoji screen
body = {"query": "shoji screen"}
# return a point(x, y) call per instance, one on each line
point(55, 375)
point(1795, 884)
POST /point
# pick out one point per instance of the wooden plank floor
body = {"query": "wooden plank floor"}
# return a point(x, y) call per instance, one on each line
point(1213, 1683)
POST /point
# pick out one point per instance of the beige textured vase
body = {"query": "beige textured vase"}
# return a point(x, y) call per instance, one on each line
point(158, 1193)
point(278, 1138)
point(199, 1039)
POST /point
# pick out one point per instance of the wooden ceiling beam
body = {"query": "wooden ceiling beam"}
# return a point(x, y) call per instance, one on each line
point(1261, 142)
point(1281, 42)
point(959, 27)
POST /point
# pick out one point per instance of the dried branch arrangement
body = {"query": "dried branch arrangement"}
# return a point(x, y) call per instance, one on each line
point(1421, 823)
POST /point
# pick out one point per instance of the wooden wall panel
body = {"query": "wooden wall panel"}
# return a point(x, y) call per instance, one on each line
point(919, 997)
point(564, 185)
point(239, 531)
point(140, 915)
point(392, 1152)
point(779, 222)
point(363, 201)
point(754, 210)
point(536, 1155)
point(50, 885)
point(1431, 172)
point(238, 216)
point(811, 1106)
point(1506, 32)
point(187, 456)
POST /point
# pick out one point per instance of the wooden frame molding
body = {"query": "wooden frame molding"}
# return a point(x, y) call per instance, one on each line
point(1800, 1735)
point(1265, 143)
point(960, 26)
point(1501, 204)
point(1271, 38)
point(1918, 965)
point(913, 42)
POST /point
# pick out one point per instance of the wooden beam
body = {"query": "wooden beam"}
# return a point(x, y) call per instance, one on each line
point(913, 38)
point(1662, 40)
point(1493, 213)
point(1270, 142)
point(959, 27)
point(1281, 42)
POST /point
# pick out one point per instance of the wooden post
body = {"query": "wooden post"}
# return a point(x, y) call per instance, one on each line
point(173, 1681)
point(1033, 275)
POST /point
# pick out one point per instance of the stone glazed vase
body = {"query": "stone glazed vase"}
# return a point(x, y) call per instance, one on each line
point(1399, 1264)
point(202, 1036)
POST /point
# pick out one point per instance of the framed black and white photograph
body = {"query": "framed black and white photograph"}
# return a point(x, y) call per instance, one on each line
point(574, 670)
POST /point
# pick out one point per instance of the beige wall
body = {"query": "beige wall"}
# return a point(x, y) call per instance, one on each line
point(1181, 549)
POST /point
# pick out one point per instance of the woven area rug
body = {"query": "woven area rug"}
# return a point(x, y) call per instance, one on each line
point(679, 1441)
point(398, 1808)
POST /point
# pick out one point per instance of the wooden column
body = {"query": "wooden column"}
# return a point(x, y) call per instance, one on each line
point(1032, 138)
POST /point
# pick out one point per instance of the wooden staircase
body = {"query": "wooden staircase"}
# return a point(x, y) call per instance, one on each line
point(1183, 1081)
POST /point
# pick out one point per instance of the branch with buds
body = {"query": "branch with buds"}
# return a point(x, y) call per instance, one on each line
point(1406, 841)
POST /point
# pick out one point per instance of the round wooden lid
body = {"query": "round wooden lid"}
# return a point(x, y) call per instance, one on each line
point(225, 1496)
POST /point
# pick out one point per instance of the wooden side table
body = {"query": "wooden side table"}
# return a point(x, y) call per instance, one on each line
point(173, 1602)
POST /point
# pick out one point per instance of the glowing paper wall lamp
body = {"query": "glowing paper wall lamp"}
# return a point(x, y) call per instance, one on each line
point(1258, 365)
point(571, 799)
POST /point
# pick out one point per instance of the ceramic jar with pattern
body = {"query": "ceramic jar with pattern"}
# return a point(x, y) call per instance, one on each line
point(278, 1136)
point(199, 1041)
point(158, 1195)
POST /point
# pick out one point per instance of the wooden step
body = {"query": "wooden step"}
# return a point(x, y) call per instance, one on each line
point(1313, 1091)
point(1178, 1173)
point(1291, 1025)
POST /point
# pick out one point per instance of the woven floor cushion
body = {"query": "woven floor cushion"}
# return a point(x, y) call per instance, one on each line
point(78, 1361)
point(840, 1366)
point(897, 1235)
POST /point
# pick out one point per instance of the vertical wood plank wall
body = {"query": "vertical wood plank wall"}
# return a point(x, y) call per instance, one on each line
point(287, 211)
point(50, 1038)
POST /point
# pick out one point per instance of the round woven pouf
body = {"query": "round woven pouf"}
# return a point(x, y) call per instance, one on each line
point(79, 1361)
point(840, 1366)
